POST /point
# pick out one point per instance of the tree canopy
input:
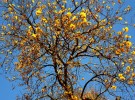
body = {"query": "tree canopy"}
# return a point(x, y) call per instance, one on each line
point(68, 49)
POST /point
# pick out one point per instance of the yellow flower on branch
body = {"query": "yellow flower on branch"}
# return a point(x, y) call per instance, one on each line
point(84, 20)
point(119, 33)
point(125, 29)
point(72, 26)
point(38, 12)
point(33, 1)
point(82, 14)
point(74, 18)
point(10, 9)
point(128, 68)
point(130, 60)
point(57, 22)
point(133, 52)
point(127, 36)
point(133, 74)
point(114, 80)
point(118, 52)
point(113, 87)
point(15, 17)
point(64, 1)
point(38, 29)
point(4, 27)
point(44, 20)
point(130, 82)
point(74, 97)
point(69, 14)
point(34, 35)
point(128, 44)
point(121, 77)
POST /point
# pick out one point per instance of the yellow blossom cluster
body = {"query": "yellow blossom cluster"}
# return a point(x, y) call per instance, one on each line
point(121, 77)
point(67, 35)
point(124, 47)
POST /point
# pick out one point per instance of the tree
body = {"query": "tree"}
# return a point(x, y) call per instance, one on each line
point(59, 47)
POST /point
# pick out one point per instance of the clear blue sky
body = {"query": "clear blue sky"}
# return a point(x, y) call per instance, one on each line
point(6, 92)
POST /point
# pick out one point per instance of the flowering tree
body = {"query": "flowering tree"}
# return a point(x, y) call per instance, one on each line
point(59, 47)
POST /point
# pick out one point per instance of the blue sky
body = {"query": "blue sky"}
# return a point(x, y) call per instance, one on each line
point(6, 92)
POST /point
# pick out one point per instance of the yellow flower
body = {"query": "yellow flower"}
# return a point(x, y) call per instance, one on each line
point(10, 9)
point(122, 49)
point(128, 44)
point(125, 29)
point(83, 15)
point(4, 27)
point(74, 18)
point(38, 29)
point(44, 20)
point(69, 14)
point(38, 12)
point(119, 18)
point(34, 35)
point(72, 26)
point(43, 90)
point(133, 74)
point(113, 87)
point(127, 36)
point(130, 60)
point(130, 82)
point(119, 33)
point(64, 1)
point(114, 80)
point(128, 68)
point(76, 3)
point(118, 52)
point(74, 98)
point(84, 20)
point(106, 80)
point(30, 27)
point(33, 1)
point(133, 52)
point(43, 6)
point(121, 77)
point(57, 22)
